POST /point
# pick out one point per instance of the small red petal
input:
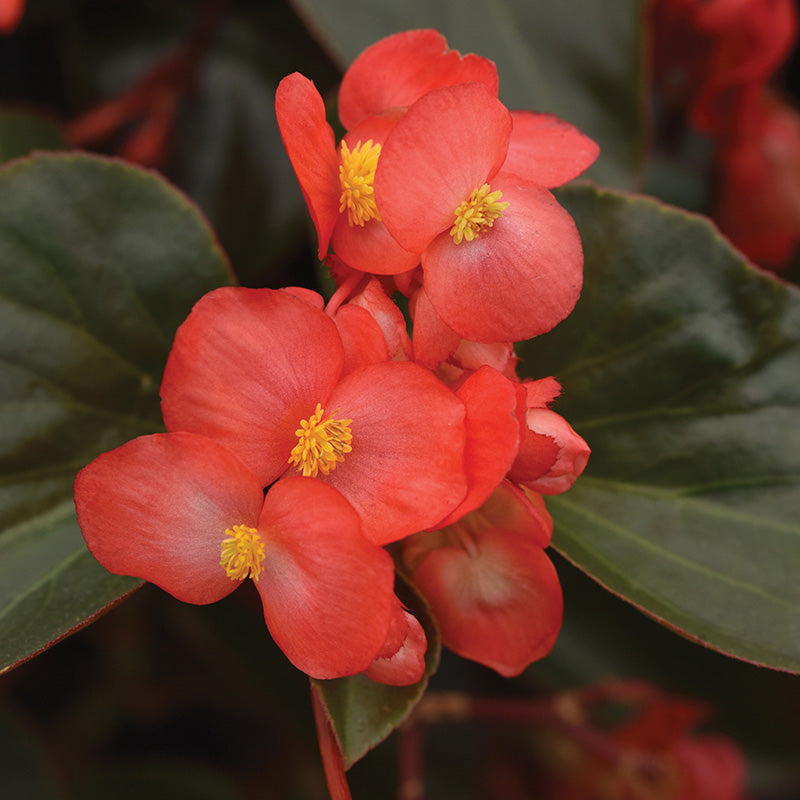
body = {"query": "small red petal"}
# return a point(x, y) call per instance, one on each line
point(310, 143)
point(547, 150)
point(493, 435)
point(404, 665)
point(362, 338)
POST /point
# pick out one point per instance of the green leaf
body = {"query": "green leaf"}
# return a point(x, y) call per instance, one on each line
point(578, 59)
point(99, 264)
point(680, 368)
point(364, 712)
point(21, 132)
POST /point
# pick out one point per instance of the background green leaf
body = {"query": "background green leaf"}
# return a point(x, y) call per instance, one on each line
point(680, 368)
point(578, 59)
point(99, 264)
point(21, 132)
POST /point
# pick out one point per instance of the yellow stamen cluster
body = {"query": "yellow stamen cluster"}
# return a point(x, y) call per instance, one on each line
point(477, 213)
point(321, 444)
point(357, 176)
point(242, 553)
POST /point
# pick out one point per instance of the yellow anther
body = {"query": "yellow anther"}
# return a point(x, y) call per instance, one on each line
point(321, 444)
point(242, 553)
point(357, 176)
point(477, 213)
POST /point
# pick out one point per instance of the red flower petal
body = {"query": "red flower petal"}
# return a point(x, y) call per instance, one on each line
point(246, 366)
point(517, 279)
point(327, 592)
point(494, 424)
point(547, 150)
point(405, 472)
point(374, 299)
point(433, 341)
point(550, 438)
point(371, 248)
point(401, 662)
point(399, 69)
point(310, 143)
point(449, 143)
point(496, 600)
point(362, 338)
point(158, 507)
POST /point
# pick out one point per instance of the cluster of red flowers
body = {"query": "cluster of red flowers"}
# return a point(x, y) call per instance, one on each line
point(303, 438)
point(714, 60)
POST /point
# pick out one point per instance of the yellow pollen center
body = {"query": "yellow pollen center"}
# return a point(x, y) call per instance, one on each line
point(321, 444)
point(477, 213)
point(242, 553)
point(357, 176)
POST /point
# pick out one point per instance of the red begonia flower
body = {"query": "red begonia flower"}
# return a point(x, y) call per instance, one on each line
point(260, 371)
point(758, 197)
point(11, 12)
point(492, 589)
point(183, 512)
point(337, 185)
point(398, 70)
point(502, 260)
point(709, 53)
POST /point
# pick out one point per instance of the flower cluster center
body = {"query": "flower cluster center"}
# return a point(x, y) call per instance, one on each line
point(321, 444)
point(242, 553)
point(357, 176)
point(476, 213)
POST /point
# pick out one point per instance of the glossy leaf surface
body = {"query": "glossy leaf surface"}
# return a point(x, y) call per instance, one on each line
point(680, 368)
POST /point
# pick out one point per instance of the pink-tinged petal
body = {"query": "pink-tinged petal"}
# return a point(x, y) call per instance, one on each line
point(158, 508)
point(311, 147)
point(362, 338)
point(495, 597)
point(495, 407)
point(327, 592)
point(433, 341)
point(246, 366)
point(399, 69)
point(542, 392)
point(517, 279)
point(548, 430)
point(449, 143)
point(387, 315)
point(370, 248)
point(401, 661)
point(547, 150)
point(405, 471)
